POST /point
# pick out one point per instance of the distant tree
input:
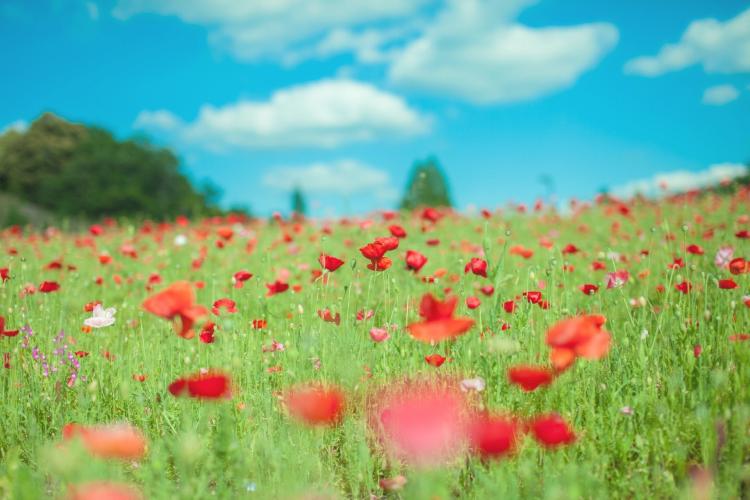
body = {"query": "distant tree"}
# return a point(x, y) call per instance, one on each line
point(427, 186)
point(299, 207)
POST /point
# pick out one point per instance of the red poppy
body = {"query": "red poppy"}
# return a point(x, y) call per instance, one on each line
point(529, 378)
point(438, 321)
point(177, 300)
point(376, 250)
point(552, 431)
point(4, 274)
point(493, 436)
point(684, 287)
point(415, 260)
point(101, 490)
point(697, 350)
point(580, 336)
point(81, 354)
point(315, 405)
point(121, 441)
point(570, 249)
point(327, 316)
point(435, 360)
point(509, 306)
point(4, 332)
point(225, 233)
point(96, 230)
point(476, 266)
point(472, 302)
point(397, 231)
point(728, 284)
point(521, 251)
point(207, 333)
point(240, 277)
point(739, 337)
point(209, 385)
point(49, 286)
point(694, 249)
point(487, 290)
point(259, 324)
point(744, 234)
point(533, 297)
point(739, 266)
point(589, 289)
point(276, 287)
point(330, 263)
point(227, 304)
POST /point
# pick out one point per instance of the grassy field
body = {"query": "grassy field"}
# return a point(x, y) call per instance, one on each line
point(664, 413)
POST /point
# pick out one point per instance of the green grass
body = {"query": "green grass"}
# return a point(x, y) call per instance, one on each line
point(248, 447)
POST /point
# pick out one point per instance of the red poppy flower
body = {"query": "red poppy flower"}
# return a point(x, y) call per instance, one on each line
point(487, 290)
point(472, 302)
point(739, 266)
point(96, 230)
point(259, 324)
point(4, 274)
point(276, 287)
point(697, 350)
point(476, 266)
point(739, 337)
point(589, 289)
point(727, 284)
point(552, 431)
point(744, 234)
point(49, 286)
point(493, 436)
point(684, 287)
point(415, 260)
point(228, 304)
point(315, 405)
point(207, 333)
point(598, 266)
point(81, 354)
point(240, 277)
point(121, 441)
point(580, 336)
point(225, 233)
point(694, 249)
point(327, 316)
point(330, 263)
point(533, 297)
point(101, 490)
point(435, 360)
point(376, 250)
point(4, 332)
point(438, 321)
point(509, 306)
point(521, 251)
point(397, 231)
point(570, 249)
point(529, 378)
point(209, 385)
point(177, 300)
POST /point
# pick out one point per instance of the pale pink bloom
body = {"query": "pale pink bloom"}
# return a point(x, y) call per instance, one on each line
point(472, 384)
point(724, 256)
point(379, 334)
point(101, 317)
point(617, 279)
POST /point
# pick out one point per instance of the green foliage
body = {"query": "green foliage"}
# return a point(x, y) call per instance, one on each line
point(299, 206)
point(78, 171)
point(427, 186)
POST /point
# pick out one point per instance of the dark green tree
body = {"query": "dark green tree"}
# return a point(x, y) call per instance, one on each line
point(427, 186)
point(299, 206)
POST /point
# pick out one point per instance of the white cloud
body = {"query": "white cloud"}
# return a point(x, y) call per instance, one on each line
point(680, 181)
point(325, 113)
point(158, 120)
point(254, 29)
point(342, 178)
point(16, 126)
point(719, 95)
point(720, 47)
point(475, 51)
point(93, 10)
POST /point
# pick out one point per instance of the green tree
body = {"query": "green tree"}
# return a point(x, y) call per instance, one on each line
point(427, 186)
point(299, 206)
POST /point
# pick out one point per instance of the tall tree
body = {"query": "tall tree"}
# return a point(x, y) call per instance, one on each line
point(299, 207)
point(427, 186)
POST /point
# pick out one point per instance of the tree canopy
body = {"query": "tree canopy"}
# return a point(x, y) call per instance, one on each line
point(74, 170)
point(427, 186)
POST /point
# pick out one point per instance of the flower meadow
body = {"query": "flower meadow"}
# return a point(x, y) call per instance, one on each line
point(522, 353)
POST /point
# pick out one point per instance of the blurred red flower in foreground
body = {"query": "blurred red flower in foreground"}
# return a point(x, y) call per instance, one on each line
point(109, 441)
point(177, 300)
point(315, 405)
point(551, 430)
point(227, 304)
point(209, 385)
point(530, 378)
point(438, 321)
point(494, 436)
point(49, 286)
point(578, 336)
point(330, 263)
point(101, 490)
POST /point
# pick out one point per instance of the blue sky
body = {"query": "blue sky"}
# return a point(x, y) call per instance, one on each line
point(342, 96)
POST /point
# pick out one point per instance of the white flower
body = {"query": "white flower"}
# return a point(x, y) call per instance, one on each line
point(472, 384)
point(180, 240)
point(101, 317)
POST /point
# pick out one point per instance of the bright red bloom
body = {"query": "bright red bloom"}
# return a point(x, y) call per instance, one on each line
point(476, 266)
point(210, 385)
point(207, 333)
point(4, 274)
point(4, 332)
point(397, 231)
point(415, 260)
point(509, 306)
point(472, 302)
point(744, 234)
point(529, 378)
point(330, 263)
point(552, 431)
point(438, 321)
point(493, 436)
point(327, 316)
point(376, 250)
point(739, 266)
point(727, 284)
point(578, 336)
point(228, 304)
point(488, 290)
point(178, 299)
point(276, 287)
point(697, 350)
point(533, 297)
point(315, 405)
point(684, 287)
point(694, 249)
point(589, 289)
point(570, 249)
point(435, 360)
point(240, 277)
point(121, 441)
point(259, 324)
point(225, 233)
point(49, 286)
